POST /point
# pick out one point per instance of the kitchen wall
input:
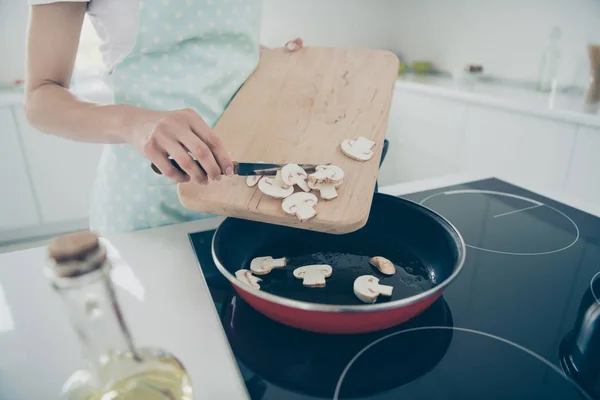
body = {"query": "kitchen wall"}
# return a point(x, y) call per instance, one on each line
point(506, 36)
point(319, 22)
point(13, 25)
point(365, 23)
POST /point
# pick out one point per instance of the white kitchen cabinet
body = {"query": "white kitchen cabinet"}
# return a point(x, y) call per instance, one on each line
point(17, 206)
point(583, 180)
point(425, 134)
point(62, 172)
point(524, 149)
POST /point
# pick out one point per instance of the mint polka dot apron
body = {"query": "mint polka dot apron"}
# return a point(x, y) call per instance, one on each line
point(188, 53)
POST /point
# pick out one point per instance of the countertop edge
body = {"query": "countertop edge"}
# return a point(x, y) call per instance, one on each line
point(102, 94)
point(397, 189)
point(400, 189)
point(508, 104)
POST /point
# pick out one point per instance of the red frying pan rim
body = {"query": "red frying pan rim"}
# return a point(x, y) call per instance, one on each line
point(304, 305)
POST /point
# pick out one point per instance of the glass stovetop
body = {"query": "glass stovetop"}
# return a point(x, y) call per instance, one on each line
point(495, 334)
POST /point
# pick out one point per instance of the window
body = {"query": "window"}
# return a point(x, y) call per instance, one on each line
point(88, 63)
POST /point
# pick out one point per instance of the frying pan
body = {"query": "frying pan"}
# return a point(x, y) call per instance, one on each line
point(400, 354)
point(427, 250)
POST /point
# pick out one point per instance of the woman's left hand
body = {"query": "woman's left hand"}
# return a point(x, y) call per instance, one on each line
point(290, 45)
point(294, 45)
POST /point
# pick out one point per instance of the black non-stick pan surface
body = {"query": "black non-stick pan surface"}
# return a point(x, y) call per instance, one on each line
point(421, 244)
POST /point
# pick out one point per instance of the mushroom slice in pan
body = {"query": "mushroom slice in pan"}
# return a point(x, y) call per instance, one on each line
point(367, 288)
point(384, 265)
point(245, 276)
point(264, 265)
point(313, 275)
point(300, 204)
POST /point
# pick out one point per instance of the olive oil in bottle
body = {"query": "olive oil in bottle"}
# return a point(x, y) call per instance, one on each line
point(79, 271)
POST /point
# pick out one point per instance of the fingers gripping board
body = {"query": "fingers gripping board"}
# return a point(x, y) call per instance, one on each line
point(298, 108)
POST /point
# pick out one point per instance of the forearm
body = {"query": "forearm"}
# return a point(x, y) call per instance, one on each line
point(53, 109)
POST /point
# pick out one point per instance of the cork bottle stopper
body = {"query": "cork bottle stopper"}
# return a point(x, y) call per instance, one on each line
point(76, 253)
point(73, 246)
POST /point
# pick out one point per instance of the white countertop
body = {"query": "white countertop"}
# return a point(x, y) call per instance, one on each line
point(564, 107)
point(11, 97)
point(165, 301)
point(558, 106)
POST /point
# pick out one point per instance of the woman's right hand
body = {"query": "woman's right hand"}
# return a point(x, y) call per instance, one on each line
point(52, 40)
point(176, 134)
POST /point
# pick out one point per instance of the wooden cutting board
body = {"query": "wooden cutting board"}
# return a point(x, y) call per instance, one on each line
point(299, 107)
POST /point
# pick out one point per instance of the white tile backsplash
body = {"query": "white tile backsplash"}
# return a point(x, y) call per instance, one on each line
point(506, 36)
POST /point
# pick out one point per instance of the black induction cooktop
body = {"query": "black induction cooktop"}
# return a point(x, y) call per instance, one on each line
point(520, 321)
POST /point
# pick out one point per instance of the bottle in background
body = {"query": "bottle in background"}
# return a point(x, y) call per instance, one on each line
point(549, 62)
point(593, 94)
point(79, 271)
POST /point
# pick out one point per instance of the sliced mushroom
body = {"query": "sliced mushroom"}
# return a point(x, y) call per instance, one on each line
point(358, 149)
point(274, 187)
point(313, 275)
point(384, 265)
point(279, 181)
point(367, 288)
point(252, 180)
point(327, 190)
point(327, 174)
point(245, 276)
point(264, 265)
point(293, 174)
point(300, 204)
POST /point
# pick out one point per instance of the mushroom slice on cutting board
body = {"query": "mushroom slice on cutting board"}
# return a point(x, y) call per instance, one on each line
point(252, 180)
point(358, 149)
point(293, 174)
point(274, 187)
point(245, 276)
point(264, 265)
point(300, 204)
point(327, 190)
point(313, 275)
point(367, 288)
point(278, 180)
point(384, 265)
point(327, 174)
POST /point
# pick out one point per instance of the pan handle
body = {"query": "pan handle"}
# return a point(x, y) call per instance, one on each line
point(386, 144)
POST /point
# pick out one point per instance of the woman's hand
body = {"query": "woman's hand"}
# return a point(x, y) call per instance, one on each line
point(290, 45)
point(176, 134)
point(52, 38)
point(294, 45)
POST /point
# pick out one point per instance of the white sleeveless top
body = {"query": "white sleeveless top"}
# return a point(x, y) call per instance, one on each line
point(165, 55)
point(116, 23)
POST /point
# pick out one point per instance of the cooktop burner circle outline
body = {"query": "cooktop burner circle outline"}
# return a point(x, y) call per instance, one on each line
point(597, 297)
point(340, 381)
point(535, 203)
